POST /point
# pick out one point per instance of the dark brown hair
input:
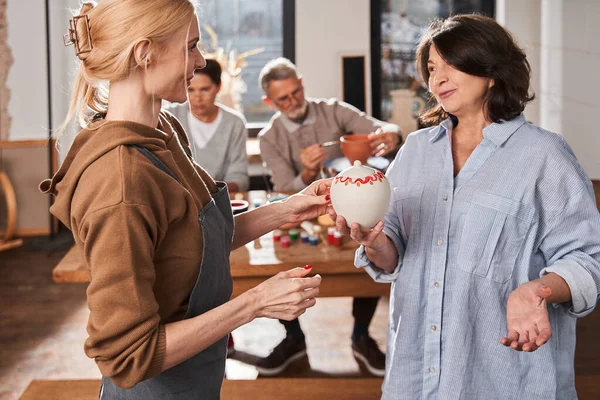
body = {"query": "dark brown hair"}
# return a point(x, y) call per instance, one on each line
point(212, 70)
point(479, 46)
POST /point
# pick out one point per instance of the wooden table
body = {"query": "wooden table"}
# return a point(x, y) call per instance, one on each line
point(263, 258)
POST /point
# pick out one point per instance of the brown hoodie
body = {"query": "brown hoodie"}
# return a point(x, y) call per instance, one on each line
point(138, 230)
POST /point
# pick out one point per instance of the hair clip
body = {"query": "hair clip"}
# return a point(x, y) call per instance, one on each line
point(71, 36)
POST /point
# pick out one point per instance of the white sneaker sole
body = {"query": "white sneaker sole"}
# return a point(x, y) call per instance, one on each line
point(282, 367)
point(373, 371)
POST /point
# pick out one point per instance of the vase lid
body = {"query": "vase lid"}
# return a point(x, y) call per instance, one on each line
point(358, 170)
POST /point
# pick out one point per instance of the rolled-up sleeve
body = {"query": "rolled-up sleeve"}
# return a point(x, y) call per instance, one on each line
point(379, 275)
point(571, 247)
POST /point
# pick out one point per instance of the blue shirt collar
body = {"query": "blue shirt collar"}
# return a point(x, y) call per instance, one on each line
point(499, 132)
point(496, 132)
point(444, 127)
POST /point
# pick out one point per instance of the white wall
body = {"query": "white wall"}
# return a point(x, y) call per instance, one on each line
point(571, 54)
point(523, 19)
point(27, 78)
point(568, 58)
point(326, 30)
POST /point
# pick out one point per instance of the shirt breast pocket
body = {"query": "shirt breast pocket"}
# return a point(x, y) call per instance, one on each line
point(493, 236)
point(407, 206)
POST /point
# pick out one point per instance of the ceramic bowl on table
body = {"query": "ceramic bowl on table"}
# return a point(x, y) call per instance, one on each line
point(356, 147)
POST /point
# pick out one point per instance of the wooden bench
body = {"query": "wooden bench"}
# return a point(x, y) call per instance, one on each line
point(264, 389)
point(267, 388)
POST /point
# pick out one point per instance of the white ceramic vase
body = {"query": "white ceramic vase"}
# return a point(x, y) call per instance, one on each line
point(361, 194)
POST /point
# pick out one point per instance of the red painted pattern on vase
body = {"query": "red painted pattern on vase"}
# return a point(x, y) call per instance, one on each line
point(370, 179)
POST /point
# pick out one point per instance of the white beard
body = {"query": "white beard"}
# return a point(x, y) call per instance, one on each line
point(298, 114)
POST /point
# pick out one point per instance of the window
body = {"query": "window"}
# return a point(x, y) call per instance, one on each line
point(396, 27)
point(242, 26)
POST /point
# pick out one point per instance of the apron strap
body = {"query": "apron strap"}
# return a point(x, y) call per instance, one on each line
point(155, 160)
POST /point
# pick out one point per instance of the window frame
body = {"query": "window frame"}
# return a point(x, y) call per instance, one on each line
point(488, 8)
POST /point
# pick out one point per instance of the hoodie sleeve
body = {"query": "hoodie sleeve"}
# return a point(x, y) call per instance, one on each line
point(125, 337)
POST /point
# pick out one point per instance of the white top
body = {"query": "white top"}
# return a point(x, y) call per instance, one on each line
point(203, 132)
point(224, 155)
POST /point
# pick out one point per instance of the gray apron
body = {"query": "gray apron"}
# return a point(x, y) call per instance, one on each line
point(200, 376)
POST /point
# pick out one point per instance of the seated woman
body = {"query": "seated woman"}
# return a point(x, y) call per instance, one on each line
point(217, 133)
point(492, 238)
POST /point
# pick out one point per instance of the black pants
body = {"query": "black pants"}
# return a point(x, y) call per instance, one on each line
point(363, 309)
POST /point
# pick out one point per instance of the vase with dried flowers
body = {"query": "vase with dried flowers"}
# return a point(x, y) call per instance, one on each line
point(232, 64)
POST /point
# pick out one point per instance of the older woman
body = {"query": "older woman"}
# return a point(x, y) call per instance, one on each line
point(492, 238)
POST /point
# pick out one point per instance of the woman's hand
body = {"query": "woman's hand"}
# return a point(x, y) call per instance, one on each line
point(287, 295)
point(527, 317)
point(312, 157)
point(378, 247)
point(372, 238)
point(383, 143)
point(310, 203)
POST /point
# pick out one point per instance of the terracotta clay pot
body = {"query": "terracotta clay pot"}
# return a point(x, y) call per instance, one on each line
point(356, 147)
point(360, 194)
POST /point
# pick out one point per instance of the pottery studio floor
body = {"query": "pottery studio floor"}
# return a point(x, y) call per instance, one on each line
point(43, 328)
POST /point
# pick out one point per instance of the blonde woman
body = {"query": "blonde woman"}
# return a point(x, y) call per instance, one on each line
point(155, 229)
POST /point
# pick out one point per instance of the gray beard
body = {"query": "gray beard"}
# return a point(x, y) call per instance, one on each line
point(300, 114)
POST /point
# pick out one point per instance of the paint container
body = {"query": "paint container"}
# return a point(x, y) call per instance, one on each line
point(239, 206)
point(330, 231)
point(338, 239)
point(276, 235)
point(258, 202)
point(304, 237)
point(317, 229)
point(313, 240)
point(294, 234)
point(285, 242)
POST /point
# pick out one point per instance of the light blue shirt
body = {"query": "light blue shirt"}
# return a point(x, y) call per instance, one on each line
point(519, 208)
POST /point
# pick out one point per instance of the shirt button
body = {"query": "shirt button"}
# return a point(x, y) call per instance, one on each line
point(432, 370)
point(433, 328)
point(440, 241)
point(445, 198)
point(436, 284)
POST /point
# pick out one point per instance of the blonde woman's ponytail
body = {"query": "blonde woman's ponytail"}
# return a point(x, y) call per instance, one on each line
point(104, 35)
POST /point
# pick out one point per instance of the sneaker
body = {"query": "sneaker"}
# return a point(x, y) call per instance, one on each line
point(367, 352)
point(230, 346)
point(286, 352)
